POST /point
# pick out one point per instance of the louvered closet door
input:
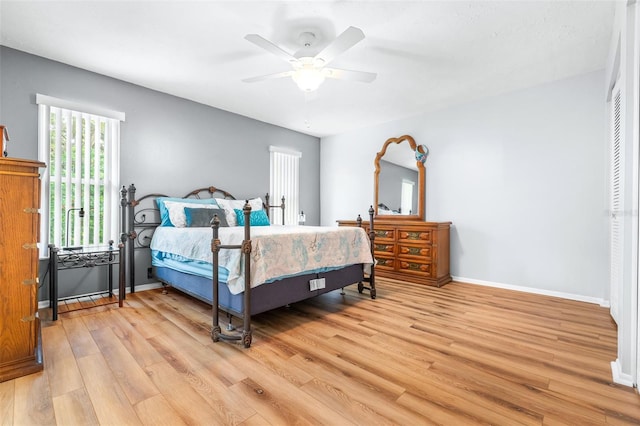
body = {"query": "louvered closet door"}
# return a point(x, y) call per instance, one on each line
point(616, 204)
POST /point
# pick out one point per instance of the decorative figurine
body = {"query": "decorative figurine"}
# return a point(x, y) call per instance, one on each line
point(421, 153)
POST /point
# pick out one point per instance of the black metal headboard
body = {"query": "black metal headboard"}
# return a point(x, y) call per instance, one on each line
point(139, 217)
point(143, 215)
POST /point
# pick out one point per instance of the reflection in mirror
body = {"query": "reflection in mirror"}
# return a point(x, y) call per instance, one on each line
point(397, 190)
point(399, 180)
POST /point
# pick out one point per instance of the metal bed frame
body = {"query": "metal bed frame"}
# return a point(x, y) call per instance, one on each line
point(139, 222)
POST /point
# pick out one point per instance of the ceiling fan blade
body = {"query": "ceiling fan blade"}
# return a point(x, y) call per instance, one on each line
point(268, 76)
point(270, 47)
point(345, 41)
point(366, 77)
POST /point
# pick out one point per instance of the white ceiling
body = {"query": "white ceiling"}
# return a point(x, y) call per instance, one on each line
point(428, 54)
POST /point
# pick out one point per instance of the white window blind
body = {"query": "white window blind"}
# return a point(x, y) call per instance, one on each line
point(82, 153)
point(285, 181)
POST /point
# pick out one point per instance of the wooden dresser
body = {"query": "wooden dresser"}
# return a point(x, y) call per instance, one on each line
point(20, 339)
point(410, 250)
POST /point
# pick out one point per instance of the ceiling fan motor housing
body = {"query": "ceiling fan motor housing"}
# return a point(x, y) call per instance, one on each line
point(307, 39)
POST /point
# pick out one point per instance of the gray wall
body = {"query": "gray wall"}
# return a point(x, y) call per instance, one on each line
point(168, 144)
point(522, 176)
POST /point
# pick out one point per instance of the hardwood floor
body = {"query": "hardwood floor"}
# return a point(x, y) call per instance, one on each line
point(460, 354)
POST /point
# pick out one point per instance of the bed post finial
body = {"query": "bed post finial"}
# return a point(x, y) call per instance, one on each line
point(359, 221)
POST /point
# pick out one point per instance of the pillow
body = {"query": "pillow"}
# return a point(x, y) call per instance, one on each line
point(164, 212)
point(230, 205)
point(176, 212)
point(257, 218)
point(201, 217)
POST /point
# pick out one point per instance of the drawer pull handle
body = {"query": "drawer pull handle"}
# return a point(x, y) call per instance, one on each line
point(31, 281)
point(30, 210)
point(28, 246)
point(384, 247)
point(28, 319)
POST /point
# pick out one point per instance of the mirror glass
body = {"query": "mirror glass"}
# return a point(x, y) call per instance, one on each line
point(399, 180)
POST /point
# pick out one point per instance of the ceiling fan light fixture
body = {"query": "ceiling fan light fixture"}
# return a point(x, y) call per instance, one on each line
point(309, 68)
point(308, 79)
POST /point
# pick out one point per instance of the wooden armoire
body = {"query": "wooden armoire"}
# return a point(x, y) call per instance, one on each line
point(20, 338)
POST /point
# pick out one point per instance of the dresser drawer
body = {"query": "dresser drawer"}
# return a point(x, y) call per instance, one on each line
point(385, 234)
point(415, 236)
point(385, 263)
point(383, 248)
point(423, 252)
point(414, 267)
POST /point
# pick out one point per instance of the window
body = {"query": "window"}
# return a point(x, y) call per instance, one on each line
point(81, 148)
point(285, 177)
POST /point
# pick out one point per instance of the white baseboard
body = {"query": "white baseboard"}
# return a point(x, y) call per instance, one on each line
point(576, 297)
point(618, 376)
point(149, 286)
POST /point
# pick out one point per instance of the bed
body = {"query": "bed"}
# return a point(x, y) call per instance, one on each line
point(226, 252)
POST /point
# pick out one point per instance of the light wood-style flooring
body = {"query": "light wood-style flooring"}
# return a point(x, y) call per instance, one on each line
point(460, 354)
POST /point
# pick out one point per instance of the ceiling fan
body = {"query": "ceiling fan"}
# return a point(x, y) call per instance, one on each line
point(309, 72)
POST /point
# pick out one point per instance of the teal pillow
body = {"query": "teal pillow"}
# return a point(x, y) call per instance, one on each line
point(200, 217)
point(257, 218)
point(165, 220)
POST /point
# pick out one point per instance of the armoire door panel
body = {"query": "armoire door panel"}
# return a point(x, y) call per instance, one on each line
point(20, 349)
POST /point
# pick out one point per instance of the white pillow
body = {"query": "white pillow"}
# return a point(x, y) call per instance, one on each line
point(229, 205)
point(176, 211)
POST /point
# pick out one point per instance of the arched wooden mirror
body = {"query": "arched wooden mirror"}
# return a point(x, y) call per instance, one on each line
point(399, 180)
